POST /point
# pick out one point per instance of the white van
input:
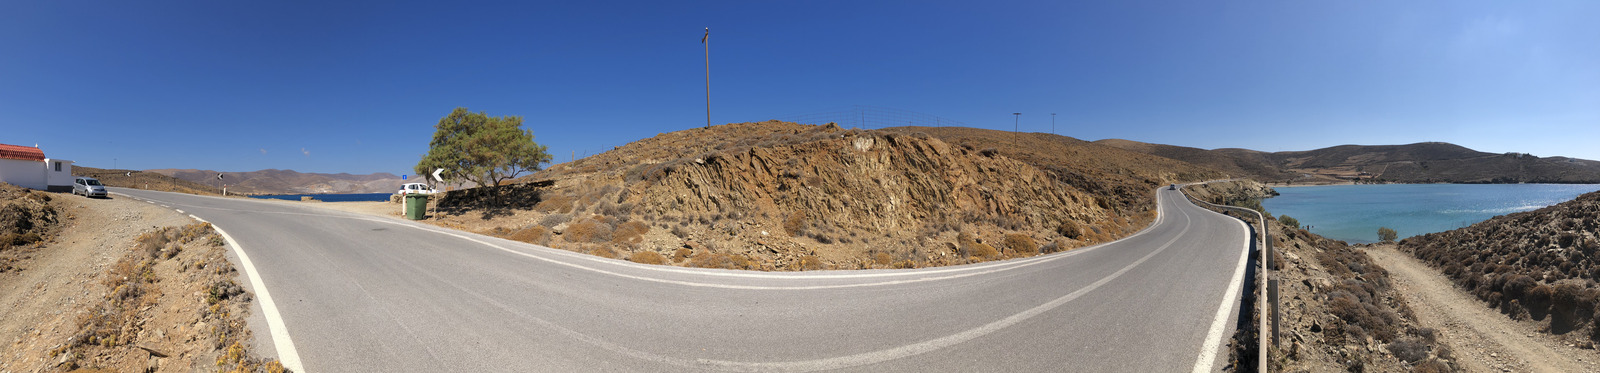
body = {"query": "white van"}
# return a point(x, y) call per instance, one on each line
point(416, 188)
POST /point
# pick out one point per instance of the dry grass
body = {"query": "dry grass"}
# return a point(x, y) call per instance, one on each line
point(983, 251)
point(795, 225)
point(537, 235)
point(555, 203)
point(810, 263)
point(588, 230)
point(604, 252)
point(1021, 244)
point(647, 257)
point(629, 233)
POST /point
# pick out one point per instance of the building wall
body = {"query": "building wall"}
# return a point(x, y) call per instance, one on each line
point(58, 175)
point(23, 173)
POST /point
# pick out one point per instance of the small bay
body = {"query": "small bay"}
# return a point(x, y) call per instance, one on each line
point(1353, 213)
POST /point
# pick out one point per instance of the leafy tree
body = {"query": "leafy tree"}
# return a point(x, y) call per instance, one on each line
point(482, 149)
point(1387, 235)
point(1286, 220)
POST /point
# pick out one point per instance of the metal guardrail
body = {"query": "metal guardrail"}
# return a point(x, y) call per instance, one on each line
point(1269, 305)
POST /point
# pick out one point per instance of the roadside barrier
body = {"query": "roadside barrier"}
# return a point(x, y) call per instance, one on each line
point(1270, 305)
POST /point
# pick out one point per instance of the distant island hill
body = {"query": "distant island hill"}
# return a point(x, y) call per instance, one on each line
point(1427, 162)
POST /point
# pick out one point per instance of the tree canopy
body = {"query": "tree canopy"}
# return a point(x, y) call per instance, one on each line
point(482, 149)
point(1387, 235)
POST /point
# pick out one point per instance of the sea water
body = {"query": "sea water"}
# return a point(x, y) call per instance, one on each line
point(1353, 213)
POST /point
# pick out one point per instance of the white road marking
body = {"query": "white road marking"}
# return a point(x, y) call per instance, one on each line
point(1219, 325)
point(287, 355)
point(179, 211)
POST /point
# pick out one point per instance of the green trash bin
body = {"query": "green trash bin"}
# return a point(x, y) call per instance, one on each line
point(416, 206)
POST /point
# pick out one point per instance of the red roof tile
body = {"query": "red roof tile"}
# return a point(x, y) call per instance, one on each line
point(26, 153)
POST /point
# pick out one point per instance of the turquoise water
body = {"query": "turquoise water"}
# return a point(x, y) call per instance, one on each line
point(1353, 213)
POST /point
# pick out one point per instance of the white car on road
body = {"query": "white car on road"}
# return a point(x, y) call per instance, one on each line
point(416, 188)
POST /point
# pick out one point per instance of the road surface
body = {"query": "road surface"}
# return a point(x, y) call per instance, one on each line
point(355, 293)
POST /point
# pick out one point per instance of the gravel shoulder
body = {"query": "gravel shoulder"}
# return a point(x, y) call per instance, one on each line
point(125, 286)
point(1483, 339)
point(62, 280)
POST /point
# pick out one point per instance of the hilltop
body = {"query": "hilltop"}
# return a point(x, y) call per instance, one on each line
point(785, 196)
point(1428, 162)
point(273, 181)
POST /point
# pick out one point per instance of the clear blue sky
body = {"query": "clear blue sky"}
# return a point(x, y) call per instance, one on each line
point(357, 87)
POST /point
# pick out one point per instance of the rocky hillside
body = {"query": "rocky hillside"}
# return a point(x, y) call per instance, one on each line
point(27, 218)
point(1428, 162)
point(1338, 307)
point(784, 196)
point(1540, 265)
point(291, 182)
point(1125, 177)
point(145, 180)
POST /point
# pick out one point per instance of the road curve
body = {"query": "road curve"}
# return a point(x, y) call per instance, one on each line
point(358, 293)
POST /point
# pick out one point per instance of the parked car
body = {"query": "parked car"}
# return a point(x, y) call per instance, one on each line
point(88, 187)
point(416, 188)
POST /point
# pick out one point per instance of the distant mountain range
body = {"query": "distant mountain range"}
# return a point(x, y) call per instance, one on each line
point(1428, 162)
point(290, 182)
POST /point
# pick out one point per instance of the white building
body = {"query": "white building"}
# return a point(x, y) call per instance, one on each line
point(27, 167)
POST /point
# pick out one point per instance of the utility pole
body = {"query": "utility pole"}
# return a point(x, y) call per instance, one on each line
point(1052, 123)
point(705, 40)
point(1016, 128)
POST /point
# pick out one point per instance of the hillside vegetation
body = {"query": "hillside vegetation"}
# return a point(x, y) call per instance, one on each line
point(145, 180)
point(784, 196)
point(1539, 265)
point(27, 219)
point(1428, 162)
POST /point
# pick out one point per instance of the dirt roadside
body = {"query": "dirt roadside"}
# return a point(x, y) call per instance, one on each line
point(125, 286)
point(1483, 340)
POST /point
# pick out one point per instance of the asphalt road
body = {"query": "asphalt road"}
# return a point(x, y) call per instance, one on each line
point(359, 293)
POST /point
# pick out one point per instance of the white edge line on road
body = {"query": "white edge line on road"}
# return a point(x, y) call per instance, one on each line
point(1208, 350)
point(179, 211)
point(287, 355)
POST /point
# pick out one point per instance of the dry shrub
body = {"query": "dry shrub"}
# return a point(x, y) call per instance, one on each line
point(537, 235)
point(1409, 350)
point(882, 258)
point(1432, 366)
point(809, 263)
point(681, 254)
point(984, 251)
point(588, 230)
point(647, 257)
point(555, 203)
point(740, 261)
point(795, 225)
point(1020, 244)
point(552, 220)
point(604, 252)
point(708, 259)
point(1054, 246)
point(630, 233)
point(1069, 229)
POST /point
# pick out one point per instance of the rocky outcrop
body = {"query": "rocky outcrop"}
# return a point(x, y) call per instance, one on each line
point(784, 196)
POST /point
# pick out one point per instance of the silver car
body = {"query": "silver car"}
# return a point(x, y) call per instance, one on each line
point(88, 187)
